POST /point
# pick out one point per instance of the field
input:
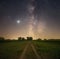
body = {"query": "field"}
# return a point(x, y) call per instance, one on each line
point(48, 49)
point(30, 50)
point(11, 50)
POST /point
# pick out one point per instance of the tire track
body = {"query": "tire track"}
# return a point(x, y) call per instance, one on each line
point(34, 50)
point(23, 53)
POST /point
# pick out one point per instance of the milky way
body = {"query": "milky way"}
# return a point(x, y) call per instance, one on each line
point(35, 26)
point(31, 9)
point(36, 18)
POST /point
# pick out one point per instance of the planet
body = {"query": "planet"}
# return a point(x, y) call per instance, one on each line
point(18, 21)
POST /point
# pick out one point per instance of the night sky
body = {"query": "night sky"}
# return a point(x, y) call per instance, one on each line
point(36, 18)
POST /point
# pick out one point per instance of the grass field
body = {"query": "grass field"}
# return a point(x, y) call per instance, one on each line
point(11, 50)
point(46, 49)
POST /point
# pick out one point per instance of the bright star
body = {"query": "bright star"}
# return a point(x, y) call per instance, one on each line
point(18, 21)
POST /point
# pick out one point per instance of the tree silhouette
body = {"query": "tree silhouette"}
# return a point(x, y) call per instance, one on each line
point(19, 38)
point(45, 39)
point(23, 38)
point(2, 38)
point(39, 39)
point(29, 38)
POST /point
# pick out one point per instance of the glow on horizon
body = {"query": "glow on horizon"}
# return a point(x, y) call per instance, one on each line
point(41, 36)
point(45, 34)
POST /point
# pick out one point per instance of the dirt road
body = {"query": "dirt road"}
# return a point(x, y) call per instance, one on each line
point(29, 52)
point(23, 53)
point(34, 50)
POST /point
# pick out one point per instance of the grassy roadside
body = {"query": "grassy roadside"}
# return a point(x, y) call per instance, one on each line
point(11, 50)
point(48, 50)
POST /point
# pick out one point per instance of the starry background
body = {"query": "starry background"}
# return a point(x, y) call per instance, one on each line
point(38, 18)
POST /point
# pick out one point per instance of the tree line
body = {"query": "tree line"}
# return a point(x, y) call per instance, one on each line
point(28, 38)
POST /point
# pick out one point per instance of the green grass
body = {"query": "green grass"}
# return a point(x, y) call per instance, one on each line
point(11, 50)
point(48, 49)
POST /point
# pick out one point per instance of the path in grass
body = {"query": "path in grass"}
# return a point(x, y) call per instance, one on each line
point(29, 52)
point(37, 55)
point(23, 53)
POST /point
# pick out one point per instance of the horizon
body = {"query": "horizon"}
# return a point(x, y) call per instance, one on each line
point(32, 38)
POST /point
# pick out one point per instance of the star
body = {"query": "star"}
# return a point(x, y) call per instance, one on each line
point(18, 21)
